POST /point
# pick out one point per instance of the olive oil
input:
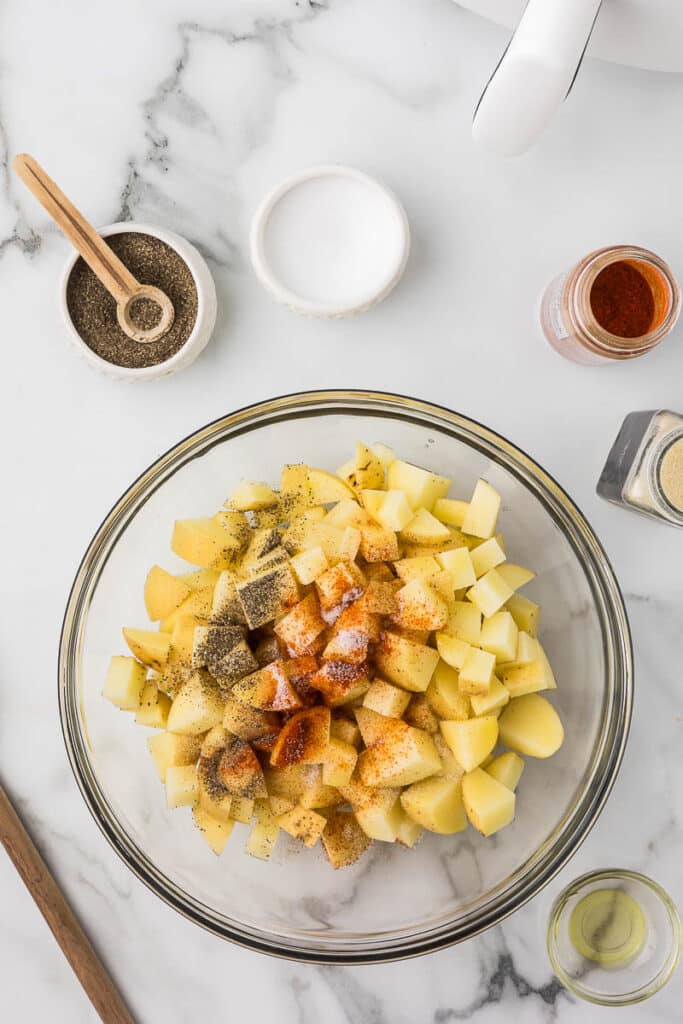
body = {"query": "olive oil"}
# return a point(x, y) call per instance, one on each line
point(608, 927)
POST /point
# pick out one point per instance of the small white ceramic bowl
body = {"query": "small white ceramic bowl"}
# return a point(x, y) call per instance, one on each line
point(379, 227)
point(206, 307)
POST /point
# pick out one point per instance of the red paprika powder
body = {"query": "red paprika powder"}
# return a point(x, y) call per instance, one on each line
point(622, 301)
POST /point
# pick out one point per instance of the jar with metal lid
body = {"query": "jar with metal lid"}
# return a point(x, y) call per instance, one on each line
point(616, 303)
point(644, 469)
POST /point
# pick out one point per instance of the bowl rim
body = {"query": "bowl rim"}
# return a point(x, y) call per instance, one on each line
point(608, 752)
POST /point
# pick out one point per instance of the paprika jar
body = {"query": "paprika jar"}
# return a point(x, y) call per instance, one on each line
point(616, 303)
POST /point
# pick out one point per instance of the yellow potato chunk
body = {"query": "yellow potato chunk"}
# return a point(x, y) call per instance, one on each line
point(373, 500)
point(148, 647)
point(263, 835)
point(208, 543)
point(405, 662)
point(400, 759)
point(531, 725)
point(516, 575)
point(346, 730)
point(471, 741)
point(326, 487)
point(525, 613)
point(490, 593)
point(242, 809)
point(154, 707)
point(464, 622)
point(408, 831)
point(436, 804)
point(369, 469)
point(487, 556)
point(496, 698)
point(424, 528)
point(450, 511)
point(420, 607)
point(499, 635)
point(452, 650)
point(197, 606)
point(250, 496)
point(344, 841)
point(458, 563)
point(444, 694)
point(423, 568)
point(214, 832)
point(378, 544)
point(170, 749)
point(125, 682)
point(340, 761)
point(303, 824)
point(308, 565)
point(421, 487)
point(378, 811)
point(477, 672)
point(182, 786)
point(489, 804)
point(482, 514)
point(507, 769)
point(163, 593)
point(395, 511)
point(197, 706)
point(386, 699)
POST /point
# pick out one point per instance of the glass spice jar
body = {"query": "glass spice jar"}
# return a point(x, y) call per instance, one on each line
point(616, 303)
point(644, 469)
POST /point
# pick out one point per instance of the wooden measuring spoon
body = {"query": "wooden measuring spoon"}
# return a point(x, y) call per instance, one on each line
point(61, 919)
point(124, 288)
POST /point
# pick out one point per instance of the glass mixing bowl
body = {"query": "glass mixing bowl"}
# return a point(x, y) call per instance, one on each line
point(394, 902)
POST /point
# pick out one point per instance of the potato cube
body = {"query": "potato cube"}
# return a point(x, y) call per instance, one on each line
point(507, 769)
point(269, 689)
point(450, 511)
point(372, 500)
point(374, 726)
point(419, 713)
point(125, 682)
point(471, 741)
point(295, 492)
point(490, 593)
point(527, 651)
point(450, 769)
point(405, 662)
point(337, 586)
point(378, 544)
point(421, 488)
point(171, 749)
point(200, 578)
point(525, 613)
point(154, 707)
point(242, 809)
point(163, 593)
point(516, 576)
point(303, 739)
point(226, 607)
point(482, 514)
point(424, 528)
point(384, 453)
point(399, 759)
point(300, 627)
point(395, 511)
point(343, 839)
point(496, 698)
point(531, 725)
point(523, 679)
point(264, 596)
point(378, 812)
point(303, 824)
point(197, 706)
point(148, 647)
point(452, 650)
point(489, 804)
point(250, 496)
point(487, 556)
point(340, 682)
point(346, 730)
point(408, 831)
point(499, 635)
point(182, 787)
point(380, 598)
point(458, 563)
point(444, 694)
point(436, 804)
point(477, 672)
point(263, 835)
point(386, 699)
point(417, 568)
point(464, 622)
point(215, 833)
point(369, 469)
point(308, 565)
point(421, 607)
point(340, 762)
point(211, 544)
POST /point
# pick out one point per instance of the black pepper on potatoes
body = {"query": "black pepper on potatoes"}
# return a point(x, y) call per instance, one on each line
point(93, 310)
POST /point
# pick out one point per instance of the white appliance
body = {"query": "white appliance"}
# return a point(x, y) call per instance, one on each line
point(538, 68)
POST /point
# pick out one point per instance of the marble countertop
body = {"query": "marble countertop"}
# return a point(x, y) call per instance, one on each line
point(184, 114)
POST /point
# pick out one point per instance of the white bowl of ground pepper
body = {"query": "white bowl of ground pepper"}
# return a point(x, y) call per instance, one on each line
point(157, 257)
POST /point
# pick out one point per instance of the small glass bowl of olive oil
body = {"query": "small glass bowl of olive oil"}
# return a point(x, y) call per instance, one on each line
point(614, 937)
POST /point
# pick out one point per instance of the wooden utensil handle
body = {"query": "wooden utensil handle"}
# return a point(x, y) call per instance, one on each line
point(74, 943)
point(103, 262)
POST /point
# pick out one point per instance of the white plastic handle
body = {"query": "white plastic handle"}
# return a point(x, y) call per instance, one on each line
point(534, 75)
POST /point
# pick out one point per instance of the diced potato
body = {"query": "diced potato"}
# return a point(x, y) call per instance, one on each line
point(308, 565)
point(471, 741)
point(450, 769)
point(378, 812)
point(340, 683)
point(280, 804)
point(154, 707)
point(477, 672)
point(346, 730)
point(300, 534)
point(263, 835)
point(490, 593)
point(346, 512)
point(384, 453)
point(452, 650)
point(200, 578)
point(303, 824)
point(208, 543)
point(489, 804)
point(421, 607)
point(349, 544)
point(436, 804)
point(507, 769)
point(148, 647)
point(295, 490)
point(424, 528)
point(242, 809)
point(417, 568)
point(125, 682)
point(527, 651)
point(464, 622)
point(409, 664)
point(197, 706)
point(421, 487)
point(182, 787)
point(169, 749)
point(419, 713)
point(340, 761)
point(264, 596)
point(326, 487)
point(336, 586)
point(408, 831)
point(482, 514)
point(530, 725)
point(400, 759)
point(378, 544)
point(215, 833)
point(269, 689)
point(380, 598)
point(395, 511)
point(450, 511)
point(343, 839)
point(369, 470)
point(373, 726)
point(303, 739)
point(523, 679)
point(496, 698)
point(516, 576)
point(444, 694)
point(163, 593)
point(458, 563)
point(372, 502)
point(196, 606)
point(316, 793)
point(487, 556)
point(525, 613)
point(300, 626)
point(386, 699)
point(499, 635)
point(250, 496)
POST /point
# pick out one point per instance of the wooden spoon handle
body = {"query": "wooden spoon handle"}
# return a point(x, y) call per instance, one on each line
point(103, 262)
point(74, 942)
